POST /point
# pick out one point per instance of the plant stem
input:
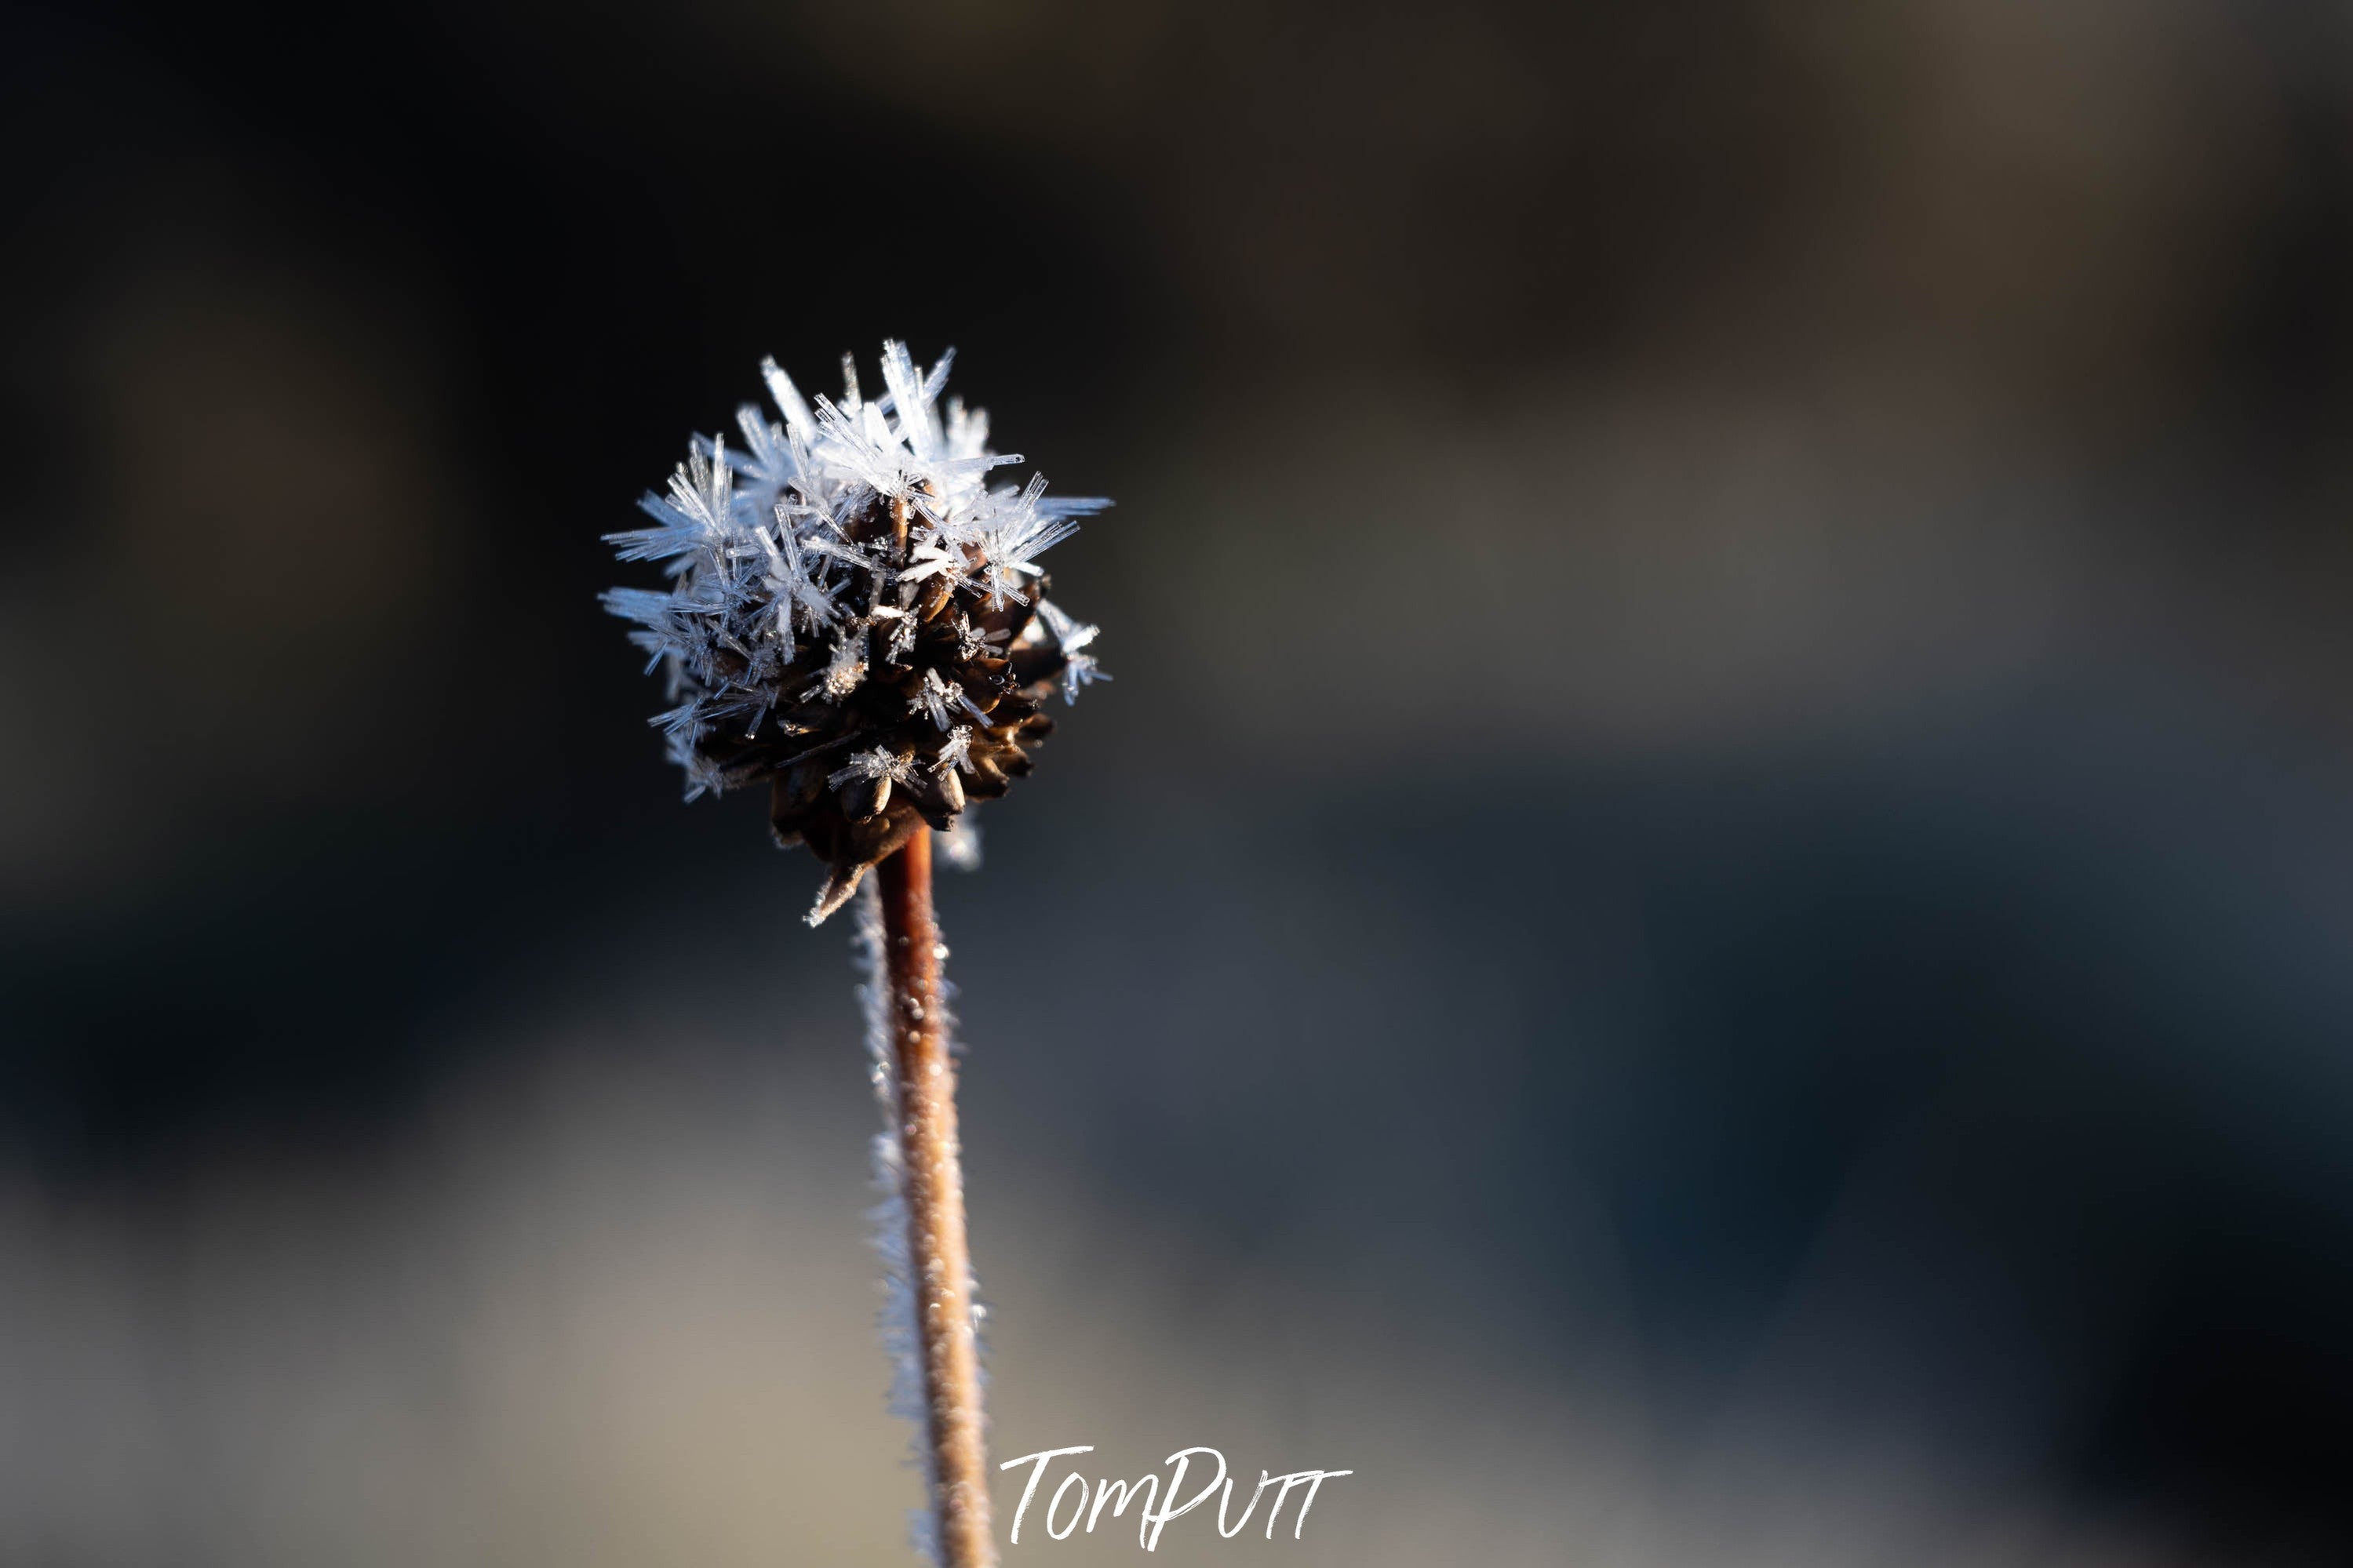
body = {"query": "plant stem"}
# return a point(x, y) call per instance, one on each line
point(939, 1263)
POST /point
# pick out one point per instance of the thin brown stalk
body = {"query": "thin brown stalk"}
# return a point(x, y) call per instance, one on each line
point(939, 1263)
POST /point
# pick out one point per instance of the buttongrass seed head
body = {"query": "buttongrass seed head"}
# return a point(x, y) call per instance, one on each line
point(856, 617)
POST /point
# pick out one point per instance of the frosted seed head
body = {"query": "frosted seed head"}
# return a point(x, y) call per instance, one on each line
point(853, 614)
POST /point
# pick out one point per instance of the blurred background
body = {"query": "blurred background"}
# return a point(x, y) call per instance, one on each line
point(1707, 924)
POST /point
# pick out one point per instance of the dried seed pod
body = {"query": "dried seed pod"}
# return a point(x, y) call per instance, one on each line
point(864, 798)
point(936, 599)
point(857, 618)
point(950, 789)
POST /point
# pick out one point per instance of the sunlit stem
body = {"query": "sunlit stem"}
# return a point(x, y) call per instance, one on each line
point(939, 1262)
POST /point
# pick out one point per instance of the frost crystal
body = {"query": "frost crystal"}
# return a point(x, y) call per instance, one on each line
point(960, 845)
point(856, 617)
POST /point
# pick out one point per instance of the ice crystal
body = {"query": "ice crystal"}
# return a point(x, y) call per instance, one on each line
point(960, 845)
point(856, 616)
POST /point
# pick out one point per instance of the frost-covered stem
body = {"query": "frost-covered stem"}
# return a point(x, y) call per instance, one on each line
point(939, 1265)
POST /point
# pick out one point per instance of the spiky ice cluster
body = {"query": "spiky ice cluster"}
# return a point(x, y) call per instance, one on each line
point(856, 617)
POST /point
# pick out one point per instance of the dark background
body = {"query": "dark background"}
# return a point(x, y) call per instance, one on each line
point(1706, 922)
